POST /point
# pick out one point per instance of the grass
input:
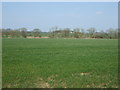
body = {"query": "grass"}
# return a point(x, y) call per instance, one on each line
point(60, 63)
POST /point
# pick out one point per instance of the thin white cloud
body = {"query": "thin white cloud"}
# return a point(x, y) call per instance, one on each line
point(99, 12)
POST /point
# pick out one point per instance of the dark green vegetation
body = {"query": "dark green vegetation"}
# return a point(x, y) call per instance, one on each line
point(60, 63)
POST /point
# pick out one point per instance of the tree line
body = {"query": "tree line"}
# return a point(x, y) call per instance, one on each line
point(21, 32)
point(56, 32)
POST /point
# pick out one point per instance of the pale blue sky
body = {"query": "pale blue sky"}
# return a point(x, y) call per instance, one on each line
point(44, 15)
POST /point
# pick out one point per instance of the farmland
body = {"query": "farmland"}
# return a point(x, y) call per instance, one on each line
point(59, 63)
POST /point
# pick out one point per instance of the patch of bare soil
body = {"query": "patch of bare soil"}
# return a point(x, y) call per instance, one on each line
point(52, 77)
point(81, 74)
point(10, 85)
point(42, 84)
point(102, 85)
point(45, 83)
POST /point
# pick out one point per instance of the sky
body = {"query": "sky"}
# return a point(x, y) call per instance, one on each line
point(0, 14)
point(44, 15)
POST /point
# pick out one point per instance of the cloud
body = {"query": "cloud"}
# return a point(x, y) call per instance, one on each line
point(99, 12)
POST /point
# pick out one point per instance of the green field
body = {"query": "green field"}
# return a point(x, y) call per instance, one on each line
point(60, 63)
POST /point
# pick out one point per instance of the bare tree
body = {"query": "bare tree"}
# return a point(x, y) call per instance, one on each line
point(36, 32)
point(23, 32)
point(77, 32)
point(91, 31)
point(52, 31)
point(66, 32)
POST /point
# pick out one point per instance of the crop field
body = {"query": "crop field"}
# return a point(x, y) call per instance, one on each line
point(59, 63)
